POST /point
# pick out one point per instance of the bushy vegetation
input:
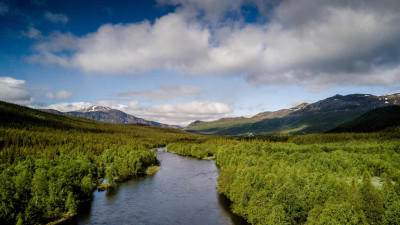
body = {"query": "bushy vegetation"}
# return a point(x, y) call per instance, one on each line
point(309, 179)
point(51, 163)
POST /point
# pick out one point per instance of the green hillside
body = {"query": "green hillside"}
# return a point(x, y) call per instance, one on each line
point(51, 163)
point(375, 120)
point(312, 122)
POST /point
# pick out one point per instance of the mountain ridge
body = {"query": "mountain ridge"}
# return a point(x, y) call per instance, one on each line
point(319, 116)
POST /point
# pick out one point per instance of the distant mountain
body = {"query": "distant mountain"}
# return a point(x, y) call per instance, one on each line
point(280, 113)
point(108, 115)
point(320, 116)
point(383, 118)
point(95, 108)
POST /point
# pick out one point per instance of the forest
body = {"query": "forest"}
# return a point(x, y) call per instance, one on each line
point(50, 164)
point(308, 179)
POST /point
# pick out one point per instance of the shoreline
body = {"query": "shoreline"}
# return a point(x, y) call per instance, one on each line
point(151, 170)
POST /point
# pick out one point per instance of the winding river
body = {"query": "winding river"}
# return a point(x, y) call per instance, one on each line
point(184, 191)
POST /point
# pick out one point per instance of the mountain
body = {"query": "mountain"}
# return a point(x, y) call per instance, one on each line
point(320, 116)
point(95, 108)
point(280, 113)
point(108, 115)
point(383, 118)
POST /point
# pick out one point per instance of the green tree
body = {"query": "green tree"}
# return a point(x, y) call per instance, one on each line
point(342, 213)
point(371, 201)
point(70, 203)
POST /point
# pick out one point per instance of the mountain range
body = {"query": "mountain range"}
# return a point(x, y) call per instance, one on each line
point(108, 115)
point(320, 116)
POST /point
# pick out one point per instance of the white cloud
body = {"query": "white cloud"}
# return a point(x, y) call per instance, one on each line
point(67, 106)
point(180, 114)
point(61, 95)
point(165, 92)
point(130, 48)
point(308, 42)
point(56, 42)
point(212, 10)
point(15, 91)
point(56, 18)
point(33, 33)
point(204, 108)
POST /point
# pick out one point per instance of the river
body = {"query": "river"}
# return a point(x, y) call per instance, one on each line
point(184, 191)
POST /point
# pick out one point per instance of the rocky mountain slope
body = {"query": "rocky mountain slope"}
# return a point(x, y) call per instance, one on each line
point(109, 115)
point(320, 116)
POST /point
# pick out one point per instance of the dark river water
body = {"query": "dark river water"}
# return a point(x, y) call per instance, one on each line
point(184, 191)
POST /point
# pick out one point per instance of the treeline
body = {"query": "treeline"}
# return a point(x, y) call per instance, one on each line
point(308, 179)
point(51, 163)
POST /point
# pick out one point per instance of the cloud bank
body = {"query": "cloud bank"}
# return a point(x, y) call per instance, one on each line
point(180, 114)
point(67, 106)
point(317, 44)
point(15, 91)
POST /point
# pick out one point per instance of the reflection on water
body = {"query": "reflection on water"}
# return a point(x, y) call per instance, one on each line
point(183, 192)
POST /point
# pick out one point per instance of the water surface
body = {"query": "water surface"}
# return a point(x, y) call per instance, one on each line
point(184, 191)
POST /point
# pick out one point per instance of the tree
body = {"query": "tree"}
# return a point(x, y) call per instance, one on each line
point(70, 204)
point(342, 213)
point(371, 201)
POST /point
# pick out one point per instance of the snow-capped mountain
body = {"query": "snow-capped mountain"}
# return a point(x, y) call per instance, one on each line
point(109, 115)
point(95, 108)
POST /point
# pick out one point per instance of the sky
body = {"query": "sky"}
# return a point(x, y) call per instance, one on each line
point(176, 61)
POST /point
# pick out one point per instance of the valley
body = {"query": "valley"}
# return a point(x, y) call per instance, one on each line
point(200, 112)
point(52, 164)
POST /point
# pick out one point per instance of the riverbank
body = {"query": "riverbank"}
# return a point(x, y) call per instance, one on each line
point(62, 219)
point(183, 191)
point(151, 170)
point(285, 181)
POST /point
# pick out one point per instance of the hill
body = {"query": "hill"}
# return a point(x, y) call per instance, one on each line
point(320, 116)
point(378, 119)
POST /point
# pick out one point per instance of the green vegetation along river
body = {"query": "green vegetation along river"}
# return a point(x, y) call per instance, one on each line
point(184, 191)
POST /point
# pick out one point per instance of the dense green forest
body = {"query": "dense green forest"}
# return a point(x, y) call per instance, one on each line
point(308, 179)
point(52, 163)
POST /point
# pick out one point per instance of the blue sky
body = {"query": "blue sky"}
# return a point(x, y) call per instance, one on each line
point(176, 61)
